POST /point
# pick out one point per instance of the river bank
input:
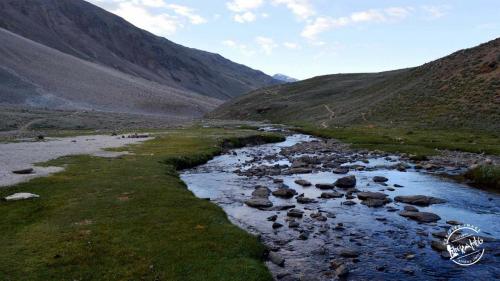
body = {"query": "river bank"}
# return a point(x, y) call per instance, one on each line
point(128, 218)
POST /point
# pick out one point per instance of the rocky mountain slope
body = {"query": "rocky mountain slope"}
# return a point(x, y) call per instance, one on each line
point(80, 29)
point(460, 91)
point(36, 75)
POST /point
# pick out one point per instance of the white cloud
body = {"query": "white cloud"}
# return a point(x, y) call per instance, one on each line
point(245, 17)
point(322, 24)
point(291, 45)
point(152, 3)
point(155, 16)
point(229, 43)
point(435, 12)
point(161, 24)
point(370, 15)
point(186, 12)
point(242, 48)
point(240, 6)
point(266, 44)
point(399, 12)
point(303, 9)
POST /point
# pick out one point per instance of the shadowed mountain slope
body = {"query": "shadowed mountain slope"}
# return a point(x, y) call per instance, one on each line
point(88, 32)
point(35, 75)
point(461, 90)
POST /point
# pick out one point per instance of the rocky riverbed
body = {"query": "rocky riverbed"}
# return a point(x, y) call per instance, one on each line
point(328, 212)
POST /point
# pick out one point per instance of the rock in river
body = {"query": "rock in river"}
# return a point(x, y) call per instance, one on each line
point(380, 179)
point(420, 216)
point(303, 182)
point(348, 253)
point(340, 171)
point(325, 185)
point(296, 213)
point(329, 195)
point(371, 195)
point(419, 200)
point(410, 209)
point(346, 182)
point(373, 199)
point(284, 193)
point(261, 192)
point(276, 259)
point(305, 200)
point(375, 203)
point(342, 271)
point(260, 198)
point(259, 203)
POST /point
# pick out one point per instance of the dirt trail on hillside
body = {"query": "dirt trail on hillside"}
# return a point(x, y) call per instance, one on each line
point(331, 117)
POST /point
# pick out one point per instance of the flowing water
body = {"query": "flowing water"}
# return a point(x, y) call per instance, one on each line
point(390, 246)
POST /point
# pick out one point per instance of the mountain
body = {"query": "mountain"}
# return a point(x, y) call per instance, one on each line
point(82, 30)
point(461, 90)
point(284, 78)
point(35, 75)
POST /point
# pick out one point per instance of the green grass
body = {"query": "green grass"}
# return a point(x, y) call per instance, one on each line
point(487, 176)
point(413, 141)
point(128, 218)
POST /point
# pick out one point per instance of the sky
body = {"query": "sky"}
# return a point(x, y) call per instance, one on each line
point(307, 38)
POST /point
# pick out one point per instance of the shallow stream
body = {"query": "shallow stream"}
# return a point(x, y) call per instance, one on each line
point(390, 247)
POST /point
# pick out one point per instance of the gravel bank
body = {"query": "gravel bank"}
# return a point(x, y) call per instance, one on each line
point(23, 155)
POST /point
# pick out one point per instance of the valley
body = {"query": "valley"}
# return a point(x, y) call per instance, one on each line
point(126, 155)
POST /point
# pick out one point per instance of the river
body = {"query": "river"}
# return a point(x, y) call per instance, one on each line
point(380, 244)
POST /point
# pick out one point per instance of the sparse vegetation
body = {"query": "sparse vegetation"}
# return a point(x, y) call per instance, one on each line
point(128, 218)
point(487, 176)
point(421, 143)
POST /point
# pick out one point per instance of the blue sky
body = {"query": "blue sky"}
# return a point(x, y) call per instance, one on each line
point(306, 38)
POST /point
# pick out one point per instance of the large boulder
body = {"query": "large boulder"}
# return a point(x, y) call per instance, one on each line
point(420, 216)
point(419, 200)
point(346, 182)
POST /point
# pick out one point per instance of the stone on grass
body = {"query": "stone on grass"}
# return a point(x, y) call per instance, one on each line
point(21, 196)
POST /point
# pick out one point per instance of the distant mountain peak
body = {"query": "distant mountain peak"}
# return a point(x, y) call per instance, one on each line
point(284, 78)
